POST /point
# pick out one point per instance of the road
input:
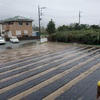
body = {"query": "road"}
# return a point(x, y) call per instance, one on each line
point(65, 74)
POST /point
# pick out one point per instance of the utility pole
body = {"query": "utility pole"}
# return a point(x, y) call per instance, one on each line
point(79, 16)
point(39, 16)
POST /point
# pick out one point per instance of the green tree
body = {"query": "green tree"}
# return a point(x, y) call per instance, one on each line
point(63, 28)
point(84, 26)
point(94, 27)
point(51, 27)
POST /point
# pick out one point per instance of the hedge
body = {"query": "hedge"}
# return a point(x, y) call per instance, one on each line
point(85, 37)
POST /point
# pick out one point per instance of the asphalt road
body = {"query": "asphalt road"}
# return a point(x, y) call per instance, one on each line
point(65, 74)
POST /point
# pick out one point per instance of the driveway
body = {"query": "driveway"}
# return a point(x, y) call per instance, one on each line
point(70, 73)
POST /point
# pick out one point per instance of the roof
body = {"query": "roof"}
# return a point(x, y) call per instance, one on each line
point(17, 18)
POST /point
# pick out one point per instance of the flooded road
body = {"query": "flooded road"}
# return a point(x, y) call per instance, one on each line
point(67, 73)
point(10, 45)
point(22, 43)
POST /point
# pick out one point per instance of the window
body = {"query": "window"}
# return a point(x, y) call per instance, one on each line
point(27, 23)
point(20, 23)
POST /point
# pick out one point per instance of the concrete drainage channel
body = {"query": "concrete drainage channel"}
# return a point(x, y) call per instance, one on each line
point(70, 74)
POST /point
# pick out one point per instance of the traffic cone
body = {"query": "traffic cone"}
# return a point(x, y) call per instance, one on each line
point(98, 90)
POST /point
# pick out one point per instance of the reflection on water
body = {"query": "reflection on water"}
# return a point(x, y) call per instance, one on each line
point(9, 48)
point(10, 45)
point(27, 44)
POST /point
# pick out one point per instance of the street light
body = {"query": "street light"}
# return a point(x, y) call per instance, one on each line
point(39, 16)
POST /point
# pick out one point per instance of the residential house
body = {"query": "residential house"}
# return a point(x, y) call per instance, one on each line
point(1, 30)
point(18, 26)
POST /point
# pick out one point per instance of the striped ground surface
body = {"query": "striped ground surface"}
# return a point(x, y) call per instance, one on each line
point(66, 74)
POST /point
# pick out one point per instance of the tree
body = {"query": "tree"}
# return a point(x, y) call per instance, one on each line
point(94, 27)
point(84, 26)
point(51, 27)
point(62, 28)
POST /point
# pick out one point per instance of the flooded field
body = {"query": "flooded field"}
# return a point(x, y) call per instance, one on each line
point(53, 72)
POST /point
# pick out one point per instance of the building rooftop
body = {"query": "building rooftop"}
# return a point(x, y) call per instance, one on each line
point(17, 18)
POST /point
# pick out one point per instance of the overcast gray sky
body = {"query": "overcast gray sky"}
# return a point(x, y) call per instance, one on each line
point(61, 11)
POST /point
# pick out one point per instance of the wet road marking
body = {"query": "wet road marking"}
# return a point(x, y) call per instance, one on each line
point(67, 86)
point(37, 87)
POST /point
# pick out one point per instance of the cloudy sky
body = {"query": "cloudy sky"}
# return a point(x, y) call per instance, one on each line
point(61, 11)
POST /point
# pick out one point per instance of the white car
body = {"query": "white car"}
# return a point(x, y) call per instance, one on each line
point(14, 39)
point(2, 40)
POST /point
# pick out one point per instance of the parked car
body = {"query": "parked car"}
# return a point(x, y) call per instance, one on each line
point(2, 40)
point(14, 39)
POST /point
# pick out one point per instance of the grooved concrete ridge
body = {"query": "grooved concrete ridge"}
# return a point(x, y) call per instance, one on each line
point(71, 73)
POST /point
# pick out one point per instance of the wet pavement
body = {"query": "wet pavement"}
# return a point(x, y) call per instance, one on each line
point(70, 73)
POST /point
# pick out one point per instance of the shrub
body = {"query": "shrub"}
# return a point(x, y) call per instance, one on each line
point(82, 36)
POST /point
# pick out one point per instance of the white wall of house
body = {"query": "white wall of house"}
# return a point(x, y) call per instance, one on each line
point(9, 34)
point(0, 29)
point(25, 32)
point(18, 33)
point(2, 32)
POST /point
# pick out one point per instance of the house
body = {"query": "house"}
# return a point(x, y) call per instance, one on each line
point(18, 26)
point(1, 30)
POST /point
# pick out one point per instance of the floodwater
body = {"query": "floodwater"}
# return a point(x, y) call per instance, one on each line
point(23, 43)
point(58, 72)
point(25, 50)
